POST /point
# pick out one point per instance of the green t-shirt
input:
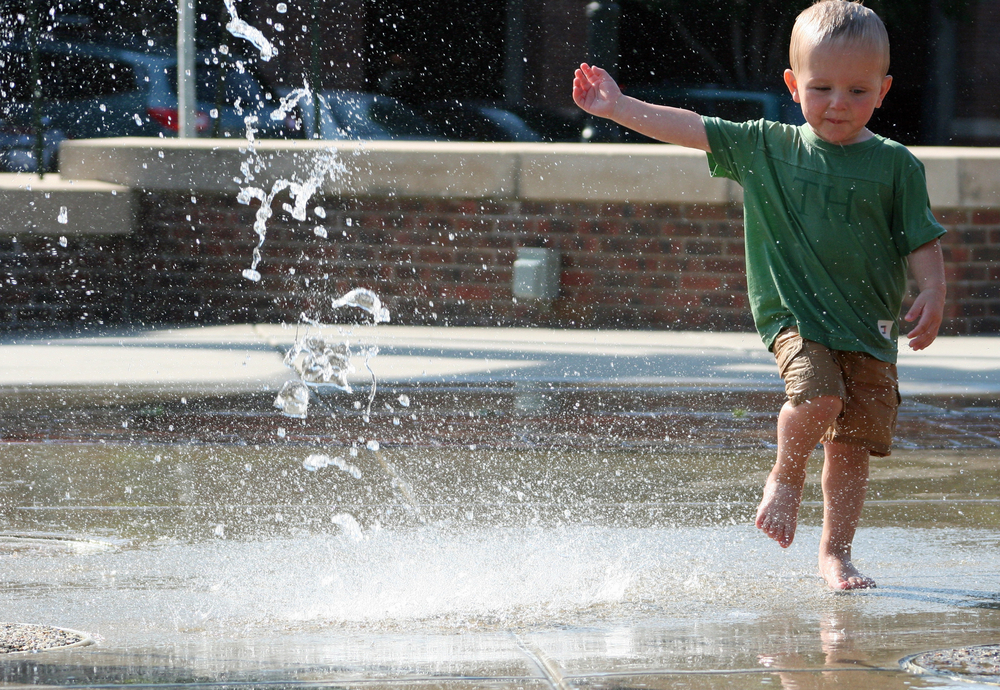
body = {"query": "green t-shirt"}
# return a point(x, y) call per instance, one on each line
point(827, 230)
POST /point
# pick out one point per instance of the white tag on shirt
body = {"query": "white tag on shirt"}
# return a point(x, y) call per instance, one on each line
point(885, 328)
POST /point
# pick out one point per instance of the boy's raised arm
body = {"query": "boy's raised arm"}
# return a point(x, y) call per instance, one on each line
point(597, 93)
point(927, 265)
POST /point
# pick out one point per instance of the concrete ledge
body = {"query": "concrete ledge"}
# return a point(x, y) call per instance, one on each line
point(29, 205)
point(957, 177)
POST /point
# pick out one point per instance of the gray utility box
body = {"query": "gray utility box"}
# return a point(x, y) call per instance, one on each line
point(536, 273)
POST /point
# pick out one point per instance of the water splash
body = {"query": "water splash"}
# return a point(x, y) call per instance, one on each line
point(317, 461)
point(293, 399)
point(365, 299)
point(318, 361)
point(240, 29)
point(325, 164)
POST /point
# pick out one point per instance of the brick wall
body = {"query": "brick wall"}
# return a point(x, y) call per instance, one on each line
point(433, 261)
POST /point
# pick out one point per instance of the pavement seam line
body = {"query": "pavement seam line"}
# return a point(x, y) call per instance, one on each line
point(549, 668)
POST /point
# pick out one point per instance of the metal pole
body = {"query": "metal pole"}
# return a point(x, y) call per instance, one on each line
point(315, 75)
point(187, 102)
point(38, 142)
point(513, 48)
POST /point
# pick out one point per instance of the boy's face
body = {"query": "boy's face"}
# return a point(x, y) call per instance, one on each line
point(838, 87)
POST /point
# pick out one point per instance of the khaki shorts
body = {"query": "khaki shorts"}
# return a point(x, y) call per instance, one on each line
point(868, 388)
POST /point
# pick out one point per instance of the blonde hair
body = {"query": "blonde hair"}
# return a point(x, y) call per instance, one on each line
point(842, 21)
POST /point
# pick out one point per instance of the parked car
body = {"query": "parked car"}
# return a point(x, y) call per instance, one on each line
point(347, 114)
point(552, 125)
point(730, 104)
point(100, 90)
point(17, 148)
point(469, 121)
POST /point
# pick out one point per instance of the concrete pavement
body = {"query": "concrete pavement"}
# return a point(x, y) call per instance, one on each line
point(242, 358)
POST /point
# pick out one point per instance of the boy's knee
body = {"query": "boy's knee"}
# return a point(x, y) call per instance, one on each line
point(830, 404)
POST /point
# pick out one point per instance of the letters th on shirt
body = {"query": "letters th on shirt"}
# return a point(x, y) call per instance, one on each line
point(819, 199)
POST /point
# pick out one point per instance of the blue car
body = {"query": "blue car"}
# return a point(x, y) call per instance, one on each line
point(98, 90)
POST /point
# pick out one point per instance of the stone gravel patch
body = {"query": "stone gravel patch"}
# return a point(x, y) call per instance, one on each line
point(18, 637)
point(980, 664)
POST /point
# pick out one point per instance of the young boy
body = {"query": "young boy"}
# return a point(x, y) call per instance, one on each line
point(833, 214)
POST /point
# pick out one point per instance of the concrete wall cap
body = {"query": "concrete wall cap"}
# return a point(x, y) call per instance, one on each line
point(54, 206)
point(957, 177)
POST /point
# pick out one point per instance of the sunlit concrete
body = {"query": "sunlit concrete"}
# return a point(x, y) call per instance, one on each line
point(956, 177)
point(55, 206)
point(249, 357)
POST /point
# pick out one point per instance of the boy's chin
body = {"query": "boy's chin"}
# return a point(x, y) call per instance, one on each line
point(841, 138)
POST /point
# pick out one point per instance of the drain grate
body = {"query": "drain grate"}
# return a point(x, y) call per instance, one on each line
point(979, 664)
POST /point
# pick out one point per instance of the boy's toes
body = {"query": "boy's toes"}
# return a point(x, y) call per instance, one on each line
point(860, 582)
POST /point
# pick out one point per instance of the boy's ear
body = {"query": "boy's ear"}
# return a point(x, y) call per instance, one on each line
point(792, 84)
point(886, 83)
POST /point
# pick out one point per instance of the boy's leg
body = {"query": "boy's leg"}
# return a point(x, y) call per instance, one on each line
point(800, 428)
point(845, 481)
point(815, 389)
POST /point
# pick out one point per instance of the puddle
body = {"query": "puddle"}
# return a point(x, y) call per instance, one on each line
point(593, 538)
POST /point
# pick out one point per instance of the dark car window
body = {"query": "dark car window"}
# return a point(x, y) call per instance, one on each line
point(464, 124)
point(234, 85)
point(15, 78)
point(399, 120)
point(65, 77)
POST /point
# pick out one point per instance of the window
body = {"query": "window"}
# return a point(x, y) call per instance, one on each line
point(64, 77)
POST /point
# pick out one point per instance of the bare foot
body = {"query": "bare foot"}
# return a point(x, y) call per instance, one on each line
point(840, 573)
point(778, 512)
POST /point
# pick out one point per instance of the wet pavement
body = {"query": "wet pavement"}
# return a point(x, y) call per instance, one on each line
point(527, 509)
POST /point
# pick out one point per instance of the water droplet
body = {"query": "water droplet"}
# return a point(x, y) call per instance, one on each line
point(319, 231)
point(251, 274)
point(104, 108)
point(278, 26)
point(213, 113)
point(293, 400)
point(63, 241)
point(281, 432)
point(364, 299)
point(63, 217)
point(372, 445)
point(282, 8)
point(320, 211)
point(404, 400)
point(138, 120)
point(348, 222)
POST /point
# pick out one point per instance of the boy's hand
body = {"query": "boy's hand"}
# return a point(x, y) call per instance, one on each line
point(927, 264)
point(595, 91)
point(928, 307)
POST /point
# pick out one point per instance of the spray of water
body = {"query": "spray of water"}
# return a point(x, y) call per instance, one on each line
point(239, 28)
point(315, 360)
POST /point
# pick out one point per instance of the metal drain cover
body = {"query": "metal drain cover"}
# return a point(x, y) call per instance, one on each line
point(980, 664)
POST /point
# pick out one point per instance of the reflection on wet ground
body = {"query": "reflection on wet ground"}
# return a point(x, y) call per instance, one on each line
point(537, 537)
